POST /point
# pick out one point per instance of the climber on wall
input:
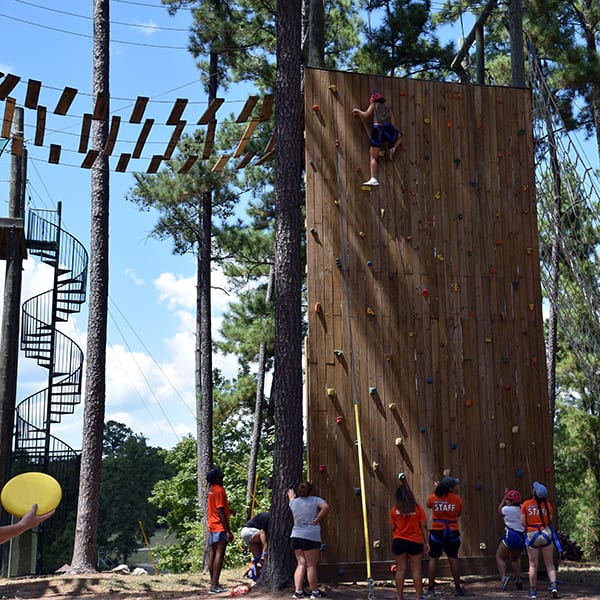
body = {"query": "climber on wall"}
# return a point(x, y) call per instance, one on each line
point(384, 133)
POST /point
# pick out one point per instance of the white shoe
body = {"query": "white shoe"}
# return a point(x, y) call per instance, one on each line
point(371, 182)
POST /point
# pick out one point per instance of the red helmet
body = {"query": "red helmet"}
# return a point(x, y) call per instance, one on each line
point(376, 97)
point(513, 496)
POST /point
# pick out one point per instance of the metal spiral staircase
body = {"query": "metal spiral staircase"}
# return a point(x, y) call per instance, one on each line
point(35, 448)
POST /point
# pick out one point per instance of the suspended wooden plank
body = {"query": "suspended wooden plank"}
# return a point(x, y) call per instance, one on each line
point(221, 162)
point(210, 140)
point(90, 159)
point(33, 93)
point(16, 148)
point(123, 162)
point(101, 107)
point(265, 113)
point(65, 101)
point(137, 151)
point(245, 138)
point(84, 139)
point(174, 140)
point(8, 85)
point(177, 111)
point(115, 123)
point(209, 113)
point(249, 156)
point(187, 165)
point(40, 126)
point(265, 158)
point(270, 144)
point(154, 163)
point(247, 109)
point(138, 109)
point(9, 110)
point(54, 156)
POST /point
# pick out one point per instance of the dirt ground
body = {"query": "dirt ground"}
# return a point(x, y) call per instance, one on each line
point(576, 582)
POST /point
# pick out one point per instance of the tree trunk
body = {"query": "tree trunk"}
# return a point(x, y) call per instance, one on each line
point(316, 34)
point(86, 528)
point(287, 380)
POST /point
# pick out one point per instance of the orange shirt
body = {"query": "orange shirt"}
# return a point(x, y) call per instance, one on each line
point(533, 520)
point(217, 498)
point(408, 527)
point(445, 510)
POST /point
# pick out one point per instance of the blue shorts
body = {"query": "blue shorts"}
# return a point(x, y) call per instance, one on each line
point(444, 540)
point(513, 539)
point(217, 536)
point(383, 134)
point(400, 546)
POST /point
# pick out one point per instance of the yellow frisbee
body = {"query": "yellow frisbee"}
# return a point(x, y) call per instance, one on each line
point(26, 489)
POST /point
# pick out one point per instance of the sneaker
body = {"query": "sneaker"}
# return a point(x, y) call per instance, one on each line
point(505, 581)
point(371, 182)
point(553, 590)
point(459, 591)
point(392, 152)
point(298, 595)
point(429, 592)
point(518, 584)
point(317, 594)
point(532, 593)
point(219, 589)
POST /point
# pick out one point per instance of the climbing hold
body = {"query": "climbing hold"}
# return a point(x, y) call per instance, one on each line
point(534, 361)
point(440, 257)
point(322, 468)
point(500, 155)
point(438, 195)
point(531, 307)
point(422, 429)
point(446, 472)
point(502, 445)
point(404, 93)
point(499, 242)
point(369, 263)
point(426, 120)
point(372, 391)
point(457, 162)
point(317, 307)
point(393, 568)
point(425, 293)
point(387, 356)
point(453, 445)
point(547, 469)
point(488, 340)
point(515, 284)
point(482, 545)
point(429, 379)
point(411, 334)
point(506, 387)
point(382, 212)
point(455, 287)
point(493, 270)
point(530, 251)
point(375, 466)
point(313, 231)
point(331, 392)
point(339, 419)
point(499, 101)
point(431, 219)
point(504, 358)
point(456, 96)
point(392, 406)
point(521, 132)
point(333, 88)
point(370, 311)
point(357, 491)
point(520, 473)
point(338, 261)
point(515, 429)
point(337, 143)
point(502, 316)
point(401, 476)
point(468, 403)
point(478, 486)
point(316, 108)
point(449, 125)
point(323, 547)
point(338, 352)
point(399, 441)
point(362, 234)
point(376, 543)
point(340, 572)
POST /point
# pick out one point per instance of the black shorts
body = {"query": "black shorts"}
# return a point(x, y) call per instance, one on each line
point(302, 544)
point(400, 546)
point(444, 540)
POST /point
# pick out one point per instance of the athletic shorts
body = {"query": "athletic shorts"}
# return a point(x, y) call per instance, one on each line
point(400, 546)
point(383, 134)
point(302, 544)
point(513, 539)
point(444, 540)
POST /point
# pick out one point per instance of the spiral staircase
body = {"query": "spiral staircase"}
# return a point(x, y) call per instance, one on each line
point(34, 446)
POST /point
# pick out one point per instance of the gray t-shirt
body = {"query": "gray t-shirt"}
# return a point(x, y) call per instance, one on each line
point(305, 510)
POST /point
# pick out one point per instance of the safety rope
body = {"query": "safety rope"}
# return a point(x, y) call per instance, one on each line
point(344, 259)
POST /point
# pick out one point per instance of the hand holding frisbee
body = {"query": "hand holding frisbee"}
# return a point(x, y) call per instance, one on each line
point(23, 491)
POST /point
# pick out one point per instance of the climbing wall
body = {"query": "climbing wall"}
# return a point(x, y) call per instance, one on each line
point(424, 310)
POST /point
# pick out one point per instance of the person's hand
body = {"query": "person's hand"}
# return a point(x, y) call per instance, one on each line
point(31, 519)
point(229, 536)
point(355, 112)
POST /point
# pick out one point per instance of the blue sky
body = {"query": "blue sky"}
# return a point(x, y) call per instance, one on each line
point(150, 358)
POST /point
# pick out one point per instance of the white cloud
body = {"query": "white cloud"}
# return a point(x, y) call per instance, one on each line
point(134, 278)
point(147, 28)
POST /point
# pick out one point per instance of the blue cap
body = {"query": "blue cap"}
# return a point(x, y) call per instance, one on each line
point(541, 491)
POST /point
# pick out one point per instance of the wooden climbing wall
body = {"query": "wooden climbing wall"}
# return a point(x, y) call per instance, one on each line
point(424, 310)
